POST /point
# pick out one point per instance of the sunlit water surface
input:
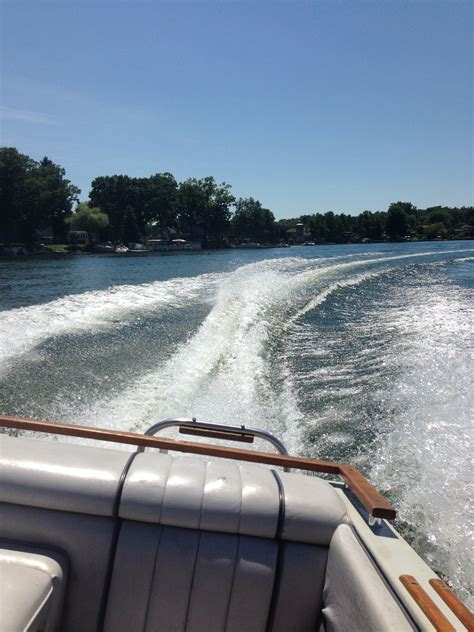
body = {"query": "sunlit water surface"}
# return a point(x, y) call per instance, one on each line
point(350, 353)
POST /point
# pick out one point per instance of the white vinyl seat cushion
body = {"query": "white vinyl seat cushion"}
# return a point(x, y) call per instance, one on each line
point(355, 596)
point(299, 588)
point(228, 497)
point(186, 492)
point(168, 579)
point(203, 545)
point(86, 542)
point(32, 587)
point(60, 476)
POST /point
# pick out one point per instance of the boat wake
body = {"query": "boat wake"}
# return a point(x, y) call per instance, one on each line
point(94, 311)
point(357, 358)
point(426, 457)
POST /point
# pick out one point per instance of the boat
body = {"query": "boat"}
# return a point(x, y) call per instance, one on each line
point(137, 248)
point(200, 537)
point(104, 248)
point(180, 244)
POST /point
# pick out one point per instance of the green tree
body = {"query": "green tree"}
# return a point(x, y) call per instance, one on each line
point(397, 222)
point(317, 226)
point(218, 214)
point(378, 225)
point(160, 202)
point(129, 230)
point(335, 227)
point(191, 208)
point(90, 219)
point(252, 221)
point(118, 196)
point(441, 216)
point(204, 209)
point(437, 229)
point(137, 202)
point(54, 197)
point(16, 197)
point(33, 195)
point(466, 215)
point(370, 225)
point(364, 224)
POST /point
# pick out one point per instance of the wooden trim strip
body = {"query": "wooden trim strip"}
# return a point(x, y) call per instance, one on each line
point(365, 492)
point(149, 441)
point(450, 599)
point(426, 604)
point(368, 495)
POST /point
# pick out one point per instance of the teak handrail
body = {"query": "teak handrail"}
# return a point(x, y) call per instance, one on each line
point(374, 502)
point(454, 604)
point(426, 604)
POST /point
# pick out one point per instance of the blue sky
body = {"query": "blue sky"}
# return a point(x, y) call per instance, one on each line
point(307, 106)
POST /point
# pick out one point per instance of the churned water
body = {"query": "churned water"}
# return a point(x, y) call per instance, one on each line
point(351, 353)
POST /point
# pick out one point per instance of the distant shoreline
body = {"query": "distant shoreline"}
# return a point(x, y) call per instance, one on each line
point(111, 255)
point(155, 253)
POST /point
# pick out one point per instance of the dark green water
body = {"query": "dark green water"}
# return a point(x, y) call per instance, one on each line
point(353, 353)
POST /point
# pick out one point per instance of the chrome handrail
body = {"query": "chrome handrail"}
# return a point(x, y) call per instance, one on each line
point(220, 428)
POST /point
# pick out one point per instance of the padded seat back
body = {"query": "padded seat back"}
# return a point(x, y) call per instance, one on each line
point(220, 546)
point(202, 545)
point(63, 496)
point(172, 579)
point(168, 578)
point(228, 497)
point(355, 595)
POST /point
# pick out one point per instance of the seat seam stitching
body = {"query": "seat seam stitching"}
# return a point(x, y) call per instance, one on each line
point(153, 574)
point(234, 572)
point(192, 580)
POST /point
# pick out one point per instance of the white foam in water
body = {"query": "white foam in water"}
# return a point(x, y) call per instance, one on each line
point(23, 328)
point(99, 310)
point(427, 456)
point(222, 373)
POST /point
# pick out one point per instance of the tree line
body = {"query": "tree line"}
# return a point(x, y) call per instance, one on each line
point(33, 195)
point(36, 197)
point(401, 221)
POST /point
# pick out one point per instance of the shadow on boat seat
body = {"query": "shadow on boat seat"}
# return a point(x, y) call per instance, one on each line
point(162, 544)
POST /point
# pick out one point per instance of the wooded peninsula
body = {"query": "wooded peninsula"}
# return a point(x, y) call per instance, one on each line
point(39, 204)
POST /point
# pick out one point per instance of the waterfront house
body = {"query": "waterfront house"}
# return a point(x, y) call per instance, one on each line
point(299, 234)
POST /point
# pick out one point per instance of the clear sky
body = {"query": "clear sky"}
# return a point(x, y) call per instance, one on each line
point(307, 106)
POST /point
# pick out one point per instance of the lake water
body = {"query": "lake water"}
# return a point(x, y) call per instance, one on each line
point(357, 353)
